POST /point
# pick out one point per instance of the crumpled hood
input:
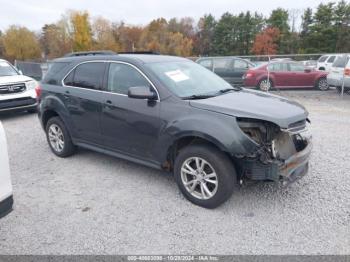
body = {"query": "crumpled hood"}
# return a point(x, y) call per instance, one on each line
point(14, 79)
point(255, 104)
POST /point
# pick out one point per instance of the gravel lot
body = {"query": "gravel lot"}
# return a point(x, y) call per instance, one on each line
point(95, 204)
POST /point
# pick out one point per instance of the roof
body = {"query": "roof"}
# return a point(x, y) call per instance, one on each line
point(141, 58)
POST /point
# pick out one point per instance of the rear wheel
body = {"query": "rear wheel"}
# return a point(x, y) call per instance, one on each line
point(265, 84)
point(205, 175)
point(58, 138)
point(322, 84)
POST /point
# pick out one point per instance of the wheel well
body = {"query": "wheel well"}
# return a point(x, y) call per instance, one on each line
point(182, 143)
point(47, 115)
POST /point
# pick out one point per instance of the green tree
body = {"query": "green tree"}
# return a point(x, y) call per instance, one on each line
point(342, 26)
point(279, 19)
point(203, 42)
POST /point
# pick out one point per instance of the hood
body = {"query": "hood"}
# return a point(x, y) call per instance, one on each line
point(255, 104)
point(14, 79)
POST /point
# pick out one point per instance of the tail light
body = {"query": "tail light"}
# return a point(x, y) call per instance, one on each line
point(347, 72)
point(38, 91)
point(249, 74)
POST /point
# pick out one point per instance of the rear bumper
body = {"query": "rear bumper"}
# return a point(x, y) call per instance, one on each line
point(6, 206)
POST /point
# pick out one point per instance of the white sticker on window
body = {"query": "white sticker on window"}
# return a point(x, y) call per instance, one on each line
point(177, 75)
point(3, 64)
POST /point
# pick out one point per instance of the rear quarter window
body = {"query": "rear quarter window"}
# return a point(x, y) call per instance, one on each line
point(322, 59)
point(52, 75)
point(341, 61)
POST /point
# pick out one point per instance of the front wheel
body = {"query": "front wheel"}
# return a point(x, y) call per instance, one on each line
point(205, 175)
point(322, 84)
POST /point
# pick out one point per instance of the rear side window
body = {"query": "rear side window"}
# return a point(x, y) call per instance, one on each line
point(331, 59)
point(322, 59)
point(241, 65)
point(54, 69)
point(207, 63)
point(341, 61)
point(278, 67)
point(222, 63)
point(88, 75)
point(121, 77)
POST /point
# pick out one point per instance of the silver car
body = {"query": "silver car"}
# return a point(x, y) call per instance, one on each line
point(340, 72)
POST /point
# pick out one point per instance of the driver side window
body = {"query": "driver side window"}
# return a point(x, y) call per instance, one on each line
point(121, 77)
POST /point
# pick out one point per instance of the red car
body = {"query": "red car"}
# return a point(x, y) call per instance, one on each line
point(285, 74)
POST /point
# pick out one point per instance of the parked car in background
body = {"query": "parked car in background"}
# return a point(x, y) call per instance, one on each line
point(324, 63)
point(17, 92)
point(312, 64)
point(172, 114)
point(6, 199)
point(229, 68)
point(285, 74)
point(340, 72)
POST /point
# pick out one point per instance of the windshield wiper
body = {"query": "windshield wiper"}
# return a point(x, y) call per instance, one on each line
point(192, 97)
point(223, 91)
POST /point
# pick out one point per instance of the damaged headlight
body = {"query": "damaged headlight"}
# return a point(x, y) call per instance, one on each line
point(259, 131)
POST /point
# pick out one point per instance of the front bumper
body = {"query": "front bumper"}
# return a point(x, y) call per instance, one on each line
point(6, 206)
point(287, 171)
point(18, 104)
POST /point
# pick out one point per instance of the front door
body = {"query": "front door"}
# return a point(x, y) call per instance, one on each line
point(129, 125)
point(83, 99)
point(301, 78)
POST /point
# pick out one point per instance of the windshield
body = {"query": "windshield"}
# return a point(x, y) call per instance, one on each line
point(187, 79)
point(6, 69)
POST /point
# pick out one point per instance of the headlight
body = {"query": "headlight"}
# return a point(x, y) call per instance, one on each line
point(31, 85)
point(261, 132)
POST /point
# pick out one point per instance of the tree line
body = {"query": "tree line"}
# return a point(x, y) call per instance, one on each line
point(325, 29)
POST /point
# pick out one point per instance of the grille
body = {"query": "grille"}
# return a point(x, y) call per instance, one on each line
point(12, 88)
point(12, 103)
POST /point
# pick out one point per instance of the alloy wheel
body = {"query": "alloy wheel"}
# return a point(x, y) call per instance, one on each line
point(265, 85)
point(199, 178)
point(56, 138)
point(323, 84)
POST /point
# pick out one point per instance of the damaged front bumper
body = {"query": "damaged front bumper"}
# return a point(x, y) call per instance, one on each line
point(285, 171)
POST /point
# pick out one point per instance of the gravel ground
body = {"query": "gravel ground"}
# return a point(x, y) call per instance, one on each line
point(95, 204)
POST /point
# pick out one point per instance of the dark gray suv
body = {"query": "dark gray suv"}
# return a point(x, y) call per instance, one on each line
point(172, 114)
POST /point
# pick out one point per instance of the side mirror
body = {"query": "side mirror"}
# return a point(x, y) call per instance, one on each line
point(141, 92)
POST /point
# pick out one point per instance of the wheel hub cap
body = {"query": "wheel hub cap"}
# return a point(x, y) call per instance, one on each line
point(199, 178)
point(56, 138)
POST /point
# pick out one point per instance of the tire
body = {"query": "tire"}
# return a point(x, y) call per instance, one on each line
point(265, 85)
point(222, 167)
point(62, 150)
point(322, 84)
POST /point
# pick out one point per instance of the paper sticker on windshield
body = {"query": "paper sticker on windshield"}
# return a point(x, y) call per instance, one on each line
point(3, 64)
point(177, 75)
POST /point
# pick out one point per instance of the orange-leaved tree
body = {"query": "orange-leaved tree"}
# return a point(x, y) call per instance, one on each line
point(266, 42)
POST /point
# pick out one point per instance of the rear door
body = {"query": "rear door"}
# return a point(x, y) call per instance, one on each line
point(223, 67)
point(280, 74)
point(83, 99)
point(240, 67)
point(330, 61)
point(129, 125)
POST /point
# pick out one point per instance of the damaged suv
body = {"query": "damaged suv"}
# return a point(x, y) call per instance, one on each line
point(172, 114)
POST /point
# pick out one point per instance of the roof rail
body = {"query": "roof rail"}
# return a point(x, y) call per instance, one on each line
point(140, 53)
point(91, 53)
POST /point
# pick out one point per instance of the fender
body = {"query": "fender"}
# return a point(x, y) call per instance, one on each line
point(219, 129)
point(53, 103)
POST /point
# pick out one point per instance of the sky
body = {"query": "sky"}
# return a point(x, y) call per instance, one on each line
point(34, 13)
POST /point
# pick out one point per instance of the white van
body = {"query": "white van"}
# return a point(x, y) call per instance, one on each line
point(340, 71)
point(325, 62)
point(6, 199)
